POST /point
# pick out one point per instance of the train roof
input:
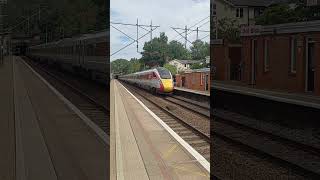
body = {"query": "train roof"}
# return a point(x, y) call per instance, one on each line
point(68, 41)
point(50, 44)
point(145, 71)
point(95, 35)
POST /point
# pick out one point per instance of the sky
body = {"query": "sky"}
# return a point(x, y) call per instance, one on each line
point(164, 13)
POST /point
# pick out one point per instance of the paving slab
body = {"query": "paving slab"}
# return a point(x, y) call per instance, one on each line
point(7, 132)
point(54, 142)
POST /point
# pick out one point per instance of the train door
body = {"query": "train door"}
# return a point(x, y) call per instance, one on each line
point(183, 81)
point(78, 52)
point(310, 65)
point(83, 53)
point(206, 81)
point(254, 56)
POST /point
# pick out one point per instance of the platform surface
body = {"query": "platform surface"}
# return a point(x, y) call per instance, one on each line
point(142, 148)
point(7, 134)
point(293, 98)
point(42, 138)
point(205, 93)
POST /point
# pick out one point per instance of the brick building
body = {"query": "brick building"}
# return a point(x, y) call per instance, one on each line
point(198, 79)
point(226, 59)
point(283, 57)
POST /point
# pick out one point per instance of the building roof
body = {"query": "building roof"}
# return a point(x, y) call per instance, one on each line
point(257, 3)
point(201, 70)
point(289, 28)
point(198, 70)
point(186, 61)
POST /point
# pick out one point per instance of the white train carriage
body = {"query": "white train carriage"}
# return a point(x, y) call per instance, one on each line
point(158, 80)
point(87, 54)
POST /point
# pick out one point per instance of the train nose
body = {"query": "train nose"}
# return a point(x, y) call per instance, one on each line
point(167, 85)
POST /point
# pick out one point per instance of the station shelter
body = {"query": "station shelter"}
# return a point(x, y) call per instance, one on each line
point(196, 79)
point(283, 57)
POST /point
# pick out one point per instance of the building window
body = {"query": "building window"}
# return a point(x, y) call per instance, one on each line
point(239, 13)
point(213, 9)
point(257, 12)
point(266, 55)
point(293, 61)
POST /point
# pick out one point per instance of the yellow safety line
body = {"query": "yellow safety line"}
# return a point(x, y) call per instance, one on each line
point(169, 152)
point(192, 172)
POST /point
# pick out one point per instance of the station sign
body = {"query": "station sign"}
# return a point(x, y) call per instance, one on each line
point(251, 30)
point(217, 41)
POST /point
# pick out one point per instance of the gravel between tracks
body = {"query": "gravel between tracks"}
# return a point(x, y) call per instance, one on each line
point(198, 122)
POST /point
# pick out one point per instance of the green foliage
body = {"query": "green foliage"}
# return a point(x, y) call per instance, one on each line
point(60, 18)
point(171, 68)
point(176, 50)
point(120, 66)
point(197, 66)
point(199, 50)
point(278, 14)
point(158, 51)
point(283, 13)
point(123, 66)
point(229, 29)
point(135, 65)
point(155, 51)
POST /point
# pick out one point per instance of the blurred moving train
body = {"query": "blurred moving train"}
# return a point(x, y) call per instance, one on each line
point(87, 54)
point(158, 80)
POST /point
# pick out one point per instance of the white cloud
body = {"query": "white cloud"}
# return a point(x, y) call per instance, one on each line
point(165, 13)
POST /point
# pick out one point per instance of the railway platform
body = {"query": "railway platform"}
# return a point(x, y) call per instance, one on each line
point(204, 93)
point(201, 97)
point(292, 98)
point(143, 147)
point(41, 136)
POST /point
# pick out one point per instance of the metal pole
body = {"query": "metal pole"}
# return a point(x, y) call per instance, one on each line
point(28, 26)
point(186, 38)
point(46, 34)
point(197, 33)
point(137, 35)
point(151, 31)
point(216, 27)
point(39, 14)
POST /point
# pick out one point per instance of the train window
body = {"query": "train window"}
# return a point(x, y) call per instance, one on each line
point(154, 75)
point(164, 73)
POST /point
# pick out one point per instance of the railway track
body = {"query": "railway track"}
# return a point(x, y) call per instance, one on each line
point(88, 103)
point(198, 138)
point(191, 105)
point(299, 158)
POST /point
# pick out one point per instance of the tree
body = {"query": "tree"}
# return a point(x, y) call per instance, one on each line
point(277, 14)
point(171, 68)
point(197, 66)
point(176, 50)
point(199, 50)
point(295, 11)
point(229, 29)
point(134, 65)
point(155, 52)
point(60, 18)
point(120, 66)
